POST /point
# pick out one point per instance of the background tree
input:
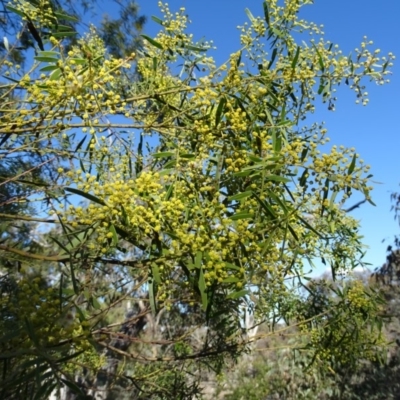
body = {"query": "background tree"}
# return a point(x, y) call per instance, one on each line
point(205, 195)
point(121, 33)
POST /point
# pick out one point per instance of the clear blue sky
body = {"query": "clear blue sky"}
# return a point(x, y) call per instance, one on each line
point(372, 130)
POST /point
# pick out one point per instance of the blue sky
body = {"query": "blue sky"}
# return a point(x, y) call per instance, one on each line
point(372, 130)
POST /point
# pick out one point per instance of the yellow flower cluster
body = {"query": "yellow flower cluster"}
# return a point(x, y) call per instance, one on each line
point(39, 305)
point(40, 11)
point(358, 298)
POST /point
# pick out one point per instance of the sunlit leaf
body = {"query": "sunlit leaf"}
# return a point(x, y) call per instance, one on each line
point(296, 57)
point(241, 215)
point(250, 15)
point(240, 196)
point(237, 295)
point(86, 195)
point(152, 41)
point(352, 165)
point(219, 111)
point(158, 20)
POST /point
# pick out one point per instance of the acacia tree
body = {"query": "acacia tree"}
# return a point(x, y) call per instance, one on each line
point(204, 193)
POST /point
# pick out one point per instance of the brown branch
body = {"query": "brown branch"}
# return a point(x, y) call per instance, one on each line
point(26, 218)
point(194, 356)
point(34, 256)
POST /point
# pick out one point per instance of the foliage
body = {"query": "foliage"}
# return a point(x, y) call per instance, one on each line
point(280, 368)
point(64, 19)
point(203, 194)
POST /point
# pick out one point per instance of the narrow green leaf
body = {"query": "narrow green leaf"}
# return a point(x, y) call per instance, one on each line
point(172, 235)
point(325, 190)
point(219, 111)
point(283, 113)
point(269, 116)
point(202, 288)
point(169, 192)
point(250, 15)
point(62, 28)
point(276, 142)
point(310, 227)
point(170, 164)
point(187, 156)
point(304, 153)
point(56, 74)
point(239, 59)
point(46, 59)
point(79, 61)
point(73, 279)
point(321, 86)
point(114, 235)
point(63, 34)
point(198, 258)
point(155, 64)
point(352, 165)
point(237, 295)
point(240, 196)
point(303, 178)
point(95, 303)
point(266, 245)
point(255, 158)
point(278, 201)
point(152, 41)
point(195, 48)
point(66, 17)
point(152, 296)
point(66, 251)
point(293, 232)
point(49, 68)
point(166, 171)
point(296, 57)
point(163, 154)
point(320, 61)
point(242, 173)
point(266, 13)
point(157, 20)
point(86, 195)
point(52, 54)
point(81, 313)
point(265, 206)
point(273, 56)
point(156, 273)
point(11, 79)
point(15, 11)
point(81, 164)
point(276, 178)
point(332, 199)
point(80, 144)
point(31, 332)
point(74, 387)
point(231, 266)
point(231, 279)
point(241, 215)
point(6, 43)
